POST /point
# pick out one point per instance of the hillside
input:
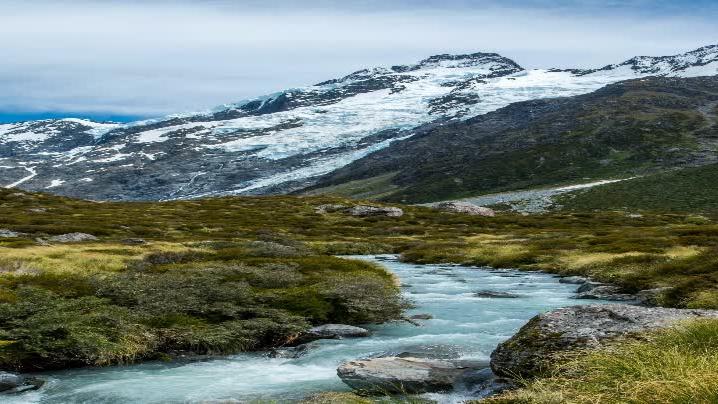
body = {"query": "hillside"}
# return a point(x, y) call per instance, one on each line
point(285, 141)
point(626, 129)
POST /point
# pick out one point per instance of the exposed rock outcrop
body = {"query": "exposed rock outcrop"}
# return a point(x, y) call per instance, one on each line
point(407, 375)
point(364, 210)
point(464, 207)
point(604, 292)
point(528, 352)
point(73, 238)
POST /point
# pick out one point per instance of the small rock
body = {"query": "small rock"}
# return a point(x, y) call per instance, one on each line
point(37, 210)
point(405, 375)
point(579, 327)
point(588, 286)
point(134, 241)
point(291, 352)
point(9, 381)
point(328, 208)
point(73, 238)
point(364, 211)
point(5, 233)
point(573, 280)
point(496, 295)
point(606, 292)
point(421, 317)
point(464, 207)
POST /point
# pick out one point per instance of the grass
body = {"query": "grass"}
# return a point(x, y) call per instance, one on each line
point(673, 366)
point(244, 273)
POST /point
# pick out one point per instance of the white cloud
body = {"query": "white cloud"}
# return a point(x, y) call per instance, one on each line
point(153, 58)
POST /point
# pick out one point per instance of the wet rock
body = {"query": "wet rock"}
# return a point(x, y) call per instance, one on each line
point(606, 292)
point(134, 241)
point(528, 353)
point(406, 375)
point(465, 208)
point(424, 316)
point(573, 280)
point(332, 331)
point(73, 238)
point(9, 381)
point(588, 286)
point(430, 351)
point(364, 211)
point(290, 352)
point(496, 294)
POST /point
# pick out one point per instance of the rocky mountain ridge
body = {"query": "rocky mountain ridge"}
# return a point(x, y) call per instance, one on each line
point(286, 141)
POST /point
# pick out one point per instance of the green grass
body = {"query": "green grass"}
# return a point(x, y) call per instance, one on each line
point(232, 274)
point(669, 367)
point(691, 189)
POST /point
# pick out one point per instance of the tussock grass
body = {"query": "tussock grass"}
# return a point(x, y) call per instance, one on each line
point(674, 366)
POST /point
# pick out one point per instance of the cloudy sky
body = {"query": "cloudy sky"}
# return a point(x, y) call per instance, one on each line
point(130, 59)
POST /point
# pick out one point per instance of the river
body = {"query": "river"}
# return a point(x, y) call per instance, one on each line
point(463, 324)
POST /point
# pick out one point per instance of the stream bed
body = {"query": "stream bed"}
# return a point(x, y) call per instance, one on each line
point(463, 324)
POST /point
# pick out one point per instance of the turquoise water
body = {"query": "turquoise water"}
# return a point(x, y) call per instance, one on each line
point(467, 324)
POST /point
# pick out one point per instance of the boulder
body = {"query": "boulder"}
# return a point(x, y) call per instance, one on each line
point(606, 292)
point(573, 280)
point(332, 331)
point(406, 375)
point(73, 238)
point(528, 353)
point(290, 352)
point(364, 211)
point(421, 317)
point(588, 286)
point(10, 381)
point(496, 295)
point(465, 208)
point(328, 208)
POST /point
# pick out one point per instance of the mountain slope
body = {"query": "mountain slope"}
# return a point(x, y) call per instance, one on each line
point(286, 141)
point(625, 129)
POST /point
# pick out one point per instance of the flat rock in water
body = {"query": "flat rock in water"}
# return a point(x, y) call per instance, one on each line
point(73, 238)
point(465, 208)
point(406, 375)
point(496, 294)
point(335, 331)
point(527, 353)
point(9, 381)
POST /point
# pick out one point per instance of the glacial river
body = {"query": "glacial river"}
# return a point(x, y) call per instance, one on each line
point(462, 323)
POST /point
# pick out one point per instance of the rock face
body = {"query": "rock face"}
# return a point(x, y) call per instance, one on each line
point(363, 211)
point(526, 353)
point(464, 207)
point(73, 238)
point(406, 375)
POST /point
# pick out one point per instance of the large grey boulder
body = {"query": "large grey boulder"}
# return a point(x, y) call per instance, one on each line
point(407, 375)
point(464, 207)
point(527, 353)
point(9, 381)
point(332, 331)
point(365, 210)
point(73, 238)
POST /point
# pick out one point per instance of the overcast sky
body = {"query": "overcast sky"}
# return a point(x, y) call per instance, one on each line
point(122, 59)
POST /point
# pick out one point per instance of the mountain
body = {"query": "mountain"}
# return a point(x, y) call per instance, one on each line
point(626, 129)
point(289, 140)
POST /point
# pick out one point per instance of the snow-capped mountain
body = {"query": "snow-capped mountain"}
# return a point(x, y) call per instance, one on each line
point(284, 141)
